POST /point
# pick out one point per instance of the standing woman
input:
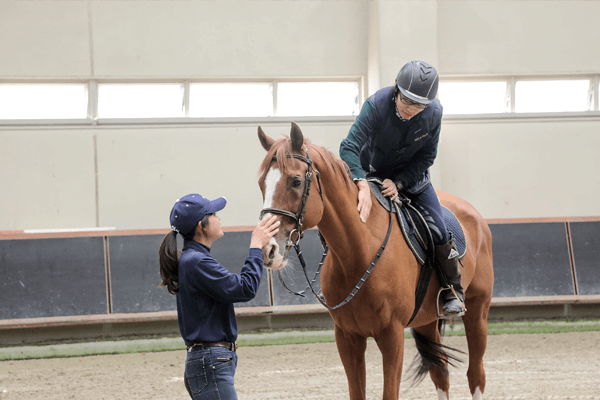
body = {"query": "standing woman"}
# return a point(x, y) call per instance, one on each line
point(395, 138)
point(206, 292)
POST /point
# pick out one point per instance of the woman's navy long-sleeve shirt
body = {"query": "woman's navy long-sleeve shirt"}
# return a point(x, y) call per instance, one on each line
point(207, 292)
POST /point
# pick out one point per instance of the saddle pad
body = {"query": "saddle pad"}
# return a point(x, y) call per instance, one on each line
point(410, 231)
point(455, 228)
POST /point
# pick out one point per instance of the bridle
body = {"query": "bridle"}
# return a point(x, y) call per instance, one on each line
point(299, 215)
point(299, 218)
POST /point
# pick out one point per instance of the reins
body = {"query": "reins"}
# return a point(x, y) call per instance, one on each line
point(320, 297)
point(299, 218)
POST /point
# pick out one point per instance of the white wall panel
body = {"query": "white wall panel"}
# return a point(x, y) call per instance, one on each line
point(44, 39)
point(518, 37)
point(407, 31)
point(513, 169)
point(47, 179)
point(229, 38)
point(523, 169)
point(143, 171)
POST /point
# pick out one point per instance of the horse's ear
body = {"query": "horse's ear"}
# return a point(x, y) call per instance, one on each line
point(266, 141)
point(297, 138)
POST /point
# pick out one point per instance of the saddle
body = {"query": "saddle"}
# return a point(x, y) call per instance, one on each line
point(418, 237)
point(413, 226)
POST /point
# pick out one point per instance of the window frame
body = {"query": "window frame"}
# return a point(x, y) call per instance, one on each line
point(507, 94)
point(512, 80)
point(92, 118)
point(52, 121)
point(97, 85)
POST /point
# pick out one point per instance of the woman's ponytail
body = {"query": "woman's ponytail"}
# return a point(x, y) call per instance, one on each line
point(169, 262)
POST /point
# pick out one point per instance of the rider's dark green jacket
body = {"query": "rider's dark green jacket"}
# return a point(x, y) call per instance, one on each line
point(382, 145)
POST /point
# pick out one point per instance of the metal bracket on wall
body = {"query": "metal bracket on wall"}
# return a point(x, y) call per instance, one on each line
point(109, 306)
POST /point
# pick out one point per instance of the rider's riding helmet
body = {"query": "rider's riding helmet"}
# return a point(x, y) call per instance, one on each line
point(418, 81)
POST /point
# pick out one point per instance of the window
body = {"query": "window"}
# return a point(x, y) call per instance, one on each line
point(317, 98)
point(84, 102)
point(551, 96)
point(518, 95)
point(209, 100)
point(134, 100)
point(43, 101)
point(137, 100)
point(473, 97)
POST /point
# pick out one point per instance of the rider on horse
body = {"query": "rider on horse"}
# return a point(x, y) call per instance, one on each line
point(395, 138)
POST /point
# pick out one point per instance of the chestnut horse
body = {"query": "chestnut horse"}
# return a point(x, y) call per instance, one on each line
point(384, 304)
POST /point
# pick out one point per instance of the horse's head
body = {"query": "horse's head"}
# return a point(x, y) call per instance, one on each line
point(291, 189)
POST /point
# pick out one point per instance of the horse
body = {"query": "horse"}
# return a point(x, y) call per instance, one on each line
point(381, 309)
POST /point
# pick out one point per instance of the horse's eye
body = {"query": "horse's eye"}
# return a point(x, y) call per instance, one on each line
point(296, 182)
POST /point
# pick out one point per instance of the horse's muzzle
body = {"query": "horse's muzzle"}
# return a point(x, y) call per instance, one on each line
point(271, 257)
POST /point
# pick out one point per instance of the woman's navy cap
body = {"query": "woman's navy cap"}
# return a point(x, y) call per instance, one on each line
point(190, 209)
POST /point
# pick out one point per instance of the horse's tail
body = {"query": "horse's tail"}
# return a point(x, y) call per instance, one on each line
point(431, 354)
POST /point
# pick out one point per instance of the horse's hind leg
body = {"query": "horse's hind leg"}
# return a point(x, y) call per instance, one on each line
point(440, 377)
point(475, 321)
point(352, 352)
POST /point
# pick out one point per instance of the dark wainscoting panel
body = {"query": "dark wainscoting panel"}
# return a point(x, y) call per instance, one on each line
point(531, 260)
point(52, 277)
point(135, 276)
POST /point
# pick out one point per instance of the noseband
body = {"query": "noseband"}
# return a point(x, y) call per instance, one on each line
point(299, 215)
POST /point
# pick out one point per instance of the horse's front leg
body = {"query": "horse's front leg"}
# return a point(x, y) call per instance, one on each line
point(352, 352)
point(391, 346)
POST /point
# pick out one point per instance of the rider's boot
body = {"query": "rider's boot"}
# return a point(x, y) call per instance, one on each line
point(448, 259)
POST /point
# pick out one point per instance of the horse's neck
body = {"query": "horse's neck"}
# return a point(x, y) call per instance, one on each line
point(346, 235)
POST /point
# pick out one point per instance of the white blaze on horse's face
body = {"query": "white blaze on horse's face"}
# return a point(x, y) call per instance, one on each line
point(271, 256)
point(272, 179)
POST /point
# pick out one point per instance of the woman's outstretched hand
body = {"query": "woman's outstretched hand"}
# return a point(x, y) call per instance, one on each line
point(264, 231)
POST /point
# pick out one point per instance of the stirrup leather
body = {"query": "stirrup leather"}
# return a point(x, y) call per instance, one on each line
point(437, 304)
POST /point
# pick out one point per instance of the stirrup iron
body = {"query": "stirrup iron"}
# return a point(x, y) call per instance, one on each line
point(441, 315)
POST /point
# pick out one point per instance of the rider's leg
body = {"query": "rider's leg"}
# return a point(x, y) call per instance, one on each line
point(428, 204)
point(448, 258)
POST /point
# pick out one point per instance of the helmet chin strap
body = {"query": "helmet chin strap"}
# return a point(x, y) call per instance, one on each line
point(396, 92)
point(398, 114)
point(401, 119)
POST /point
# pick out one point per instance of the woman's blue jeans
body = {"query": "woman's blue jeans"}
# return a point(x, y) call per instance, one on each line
point(209, 373)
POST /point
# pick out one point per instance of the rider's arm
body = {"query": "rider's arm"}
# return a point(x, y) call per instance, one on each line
point(364, 126)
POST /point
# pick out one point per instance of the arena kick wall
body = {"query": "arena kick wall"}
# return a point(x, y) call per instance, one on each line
point(543, 269)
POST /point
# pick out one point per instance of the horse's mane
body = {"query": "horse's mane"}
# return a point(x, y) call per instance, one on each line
point(338, 165)
point(283, 146)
